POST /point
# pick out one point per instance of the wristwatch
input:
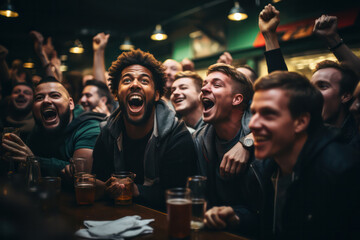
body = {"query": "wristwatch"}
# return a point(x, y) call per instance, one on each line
point(247, 143)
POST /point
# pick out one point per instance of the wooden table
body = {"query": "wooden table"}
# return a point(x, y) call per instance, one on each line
point(102, 210)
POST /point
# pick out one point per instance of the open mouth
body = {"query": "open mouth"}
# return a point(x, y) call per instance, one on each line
point(260, 138)
point(49, 114)
point(178, 100)
point(207, 103)
point(20, 100)
point(135, 103)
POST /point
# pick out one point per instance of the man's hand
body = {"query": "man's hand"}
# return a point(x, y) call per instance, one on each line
point(225, 58)
point(100, 41)
point(221, 217)
point(113, 188)
point(15, 149)
point(38, 41)
point(234, 160)
point(269, 19)
point(326, 27)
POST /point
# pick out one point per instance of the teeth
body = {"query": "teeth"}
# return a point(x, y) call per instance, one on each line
point(260, 138)
point(136, 97)
point(178, 100)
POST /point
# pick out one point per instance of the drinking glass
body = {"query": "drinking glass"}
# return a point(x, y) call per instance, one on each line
point(77, 165)
point(197, 185)
point(178, 205)
point(127, 179)
point(85, 188)
point(6, 134)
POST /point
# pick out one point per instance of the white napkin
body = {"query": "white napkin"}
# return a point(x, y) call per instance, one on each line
point(119, 229)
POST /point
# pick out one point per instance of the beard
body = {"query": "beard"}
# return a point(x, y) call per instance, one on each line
point(147, 113)
point(64, 120)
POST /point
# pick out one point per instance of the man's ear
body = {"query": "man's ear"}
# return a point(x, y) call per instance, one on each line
point(346, 97)
point(237, 99)
point(71, 104)
point(157, 95)
point(302, 122)
point(103, 99)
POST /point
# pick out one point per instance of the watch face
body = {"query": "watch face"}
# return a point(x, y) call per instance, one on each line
point(248, 142)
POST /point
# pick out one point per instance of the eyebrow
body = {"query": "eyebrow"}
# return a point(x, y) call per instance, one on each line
point(131, 75)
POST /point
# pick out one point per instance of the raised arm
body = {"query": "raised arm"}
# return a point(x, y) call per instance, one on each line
point(4, 70)
point(99, 44)
point(326, 28)
point(269, 19)
point(51, 66)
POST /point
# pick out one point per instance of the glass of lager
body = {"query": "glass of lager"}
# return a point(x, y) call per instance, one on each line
point(85, 188)
point(126, 180)
point(178, 205)
point(197, 185)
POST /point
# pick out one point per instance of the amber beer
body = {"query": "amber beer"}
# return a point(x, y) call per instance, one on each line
point(179, 212)
point(85, 189)
point(126, 195)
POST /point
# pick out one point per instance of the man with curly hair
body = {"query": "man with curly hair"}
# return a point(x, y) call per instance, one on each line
point(143, 135)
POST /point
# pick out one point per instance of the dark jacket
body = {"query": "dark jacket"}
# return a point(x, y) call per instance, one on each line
point(322, 202)
point(169, 155)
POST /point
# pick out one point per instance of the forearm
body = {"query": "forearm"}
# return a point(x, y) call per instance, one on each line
point(271, 41)
point(47, 66)
point(4, 71)
point(275, 60)
point(99, 65)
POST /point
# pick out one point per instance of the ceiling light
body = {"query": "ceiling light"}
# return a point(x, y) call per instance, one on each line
point(8, 10)
point(127, 45)
point(158, 34)
point(237, 13)
point(77, 48)
point(29, 64)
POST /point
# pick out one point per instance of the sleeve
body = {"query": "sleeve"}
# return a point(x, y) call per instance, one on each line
point(102, 158)
point(51, 166)
point(87, 135)
point(275, 60)
point(249, 221)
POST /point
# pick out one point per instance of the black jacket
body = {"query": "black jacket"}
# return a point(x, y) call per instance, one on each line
point(322, 202)
point(169, 156)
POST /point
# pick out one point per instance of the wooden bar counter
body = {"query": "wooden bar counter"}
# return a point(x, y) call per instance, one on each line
point(103, 210)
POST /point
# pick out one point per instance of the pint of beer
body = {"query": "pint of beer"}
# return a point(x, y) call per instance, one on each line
point(178, 204)
point(197, 186)
point(126, 179)
point(85, 188)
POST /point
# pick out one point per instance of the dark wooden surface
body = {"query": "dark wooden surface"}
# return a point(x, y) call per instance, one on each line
point(102, 210)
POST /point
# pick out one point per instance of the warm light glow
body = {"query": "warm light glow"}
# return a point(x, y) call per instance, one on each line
point(237, 16)
point(276, 1)
point(8, 13)
point(76, 50)
point(127, 45)
point(28, 65)
point(63, 68)
point(159, 36)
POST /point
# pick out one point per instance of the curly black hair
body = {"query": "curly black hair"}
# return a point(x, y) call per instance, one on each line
point(139, 57)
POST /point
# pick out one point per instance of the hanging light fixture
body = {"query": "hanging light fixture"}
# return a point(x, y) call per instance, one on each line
point(127, 45)
point(29, 63)
point(8, 10)
point(77, 48)
point(158, 34)
point(237, 13)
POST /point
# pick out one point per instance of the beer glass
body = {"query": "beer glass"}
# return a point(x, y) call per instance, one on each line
point(77, 165)
point(127, 179)
point(85, 188)
point(197, 185)
point(6, 134)
point(50, 188)
point(178, 205)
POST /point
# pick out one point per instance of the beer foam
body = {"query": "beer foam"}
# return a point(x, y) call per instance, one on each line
point(178, 201)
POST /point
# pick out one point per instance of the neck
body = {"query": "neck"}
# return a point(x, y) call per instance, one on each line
point(191, 119)
point(19, 115)
point(287, 159)
point(139, 131)
point(227, 130)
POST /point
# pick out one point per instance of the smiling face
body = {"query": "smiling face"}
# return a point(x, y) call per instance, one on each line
point(172, 67)
point(136, 94)
point(217, 97)
point(273, 127)
point(185, 96)
point(52, 106)
point(327, 80)
point(22, 98)
point(90, 98)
